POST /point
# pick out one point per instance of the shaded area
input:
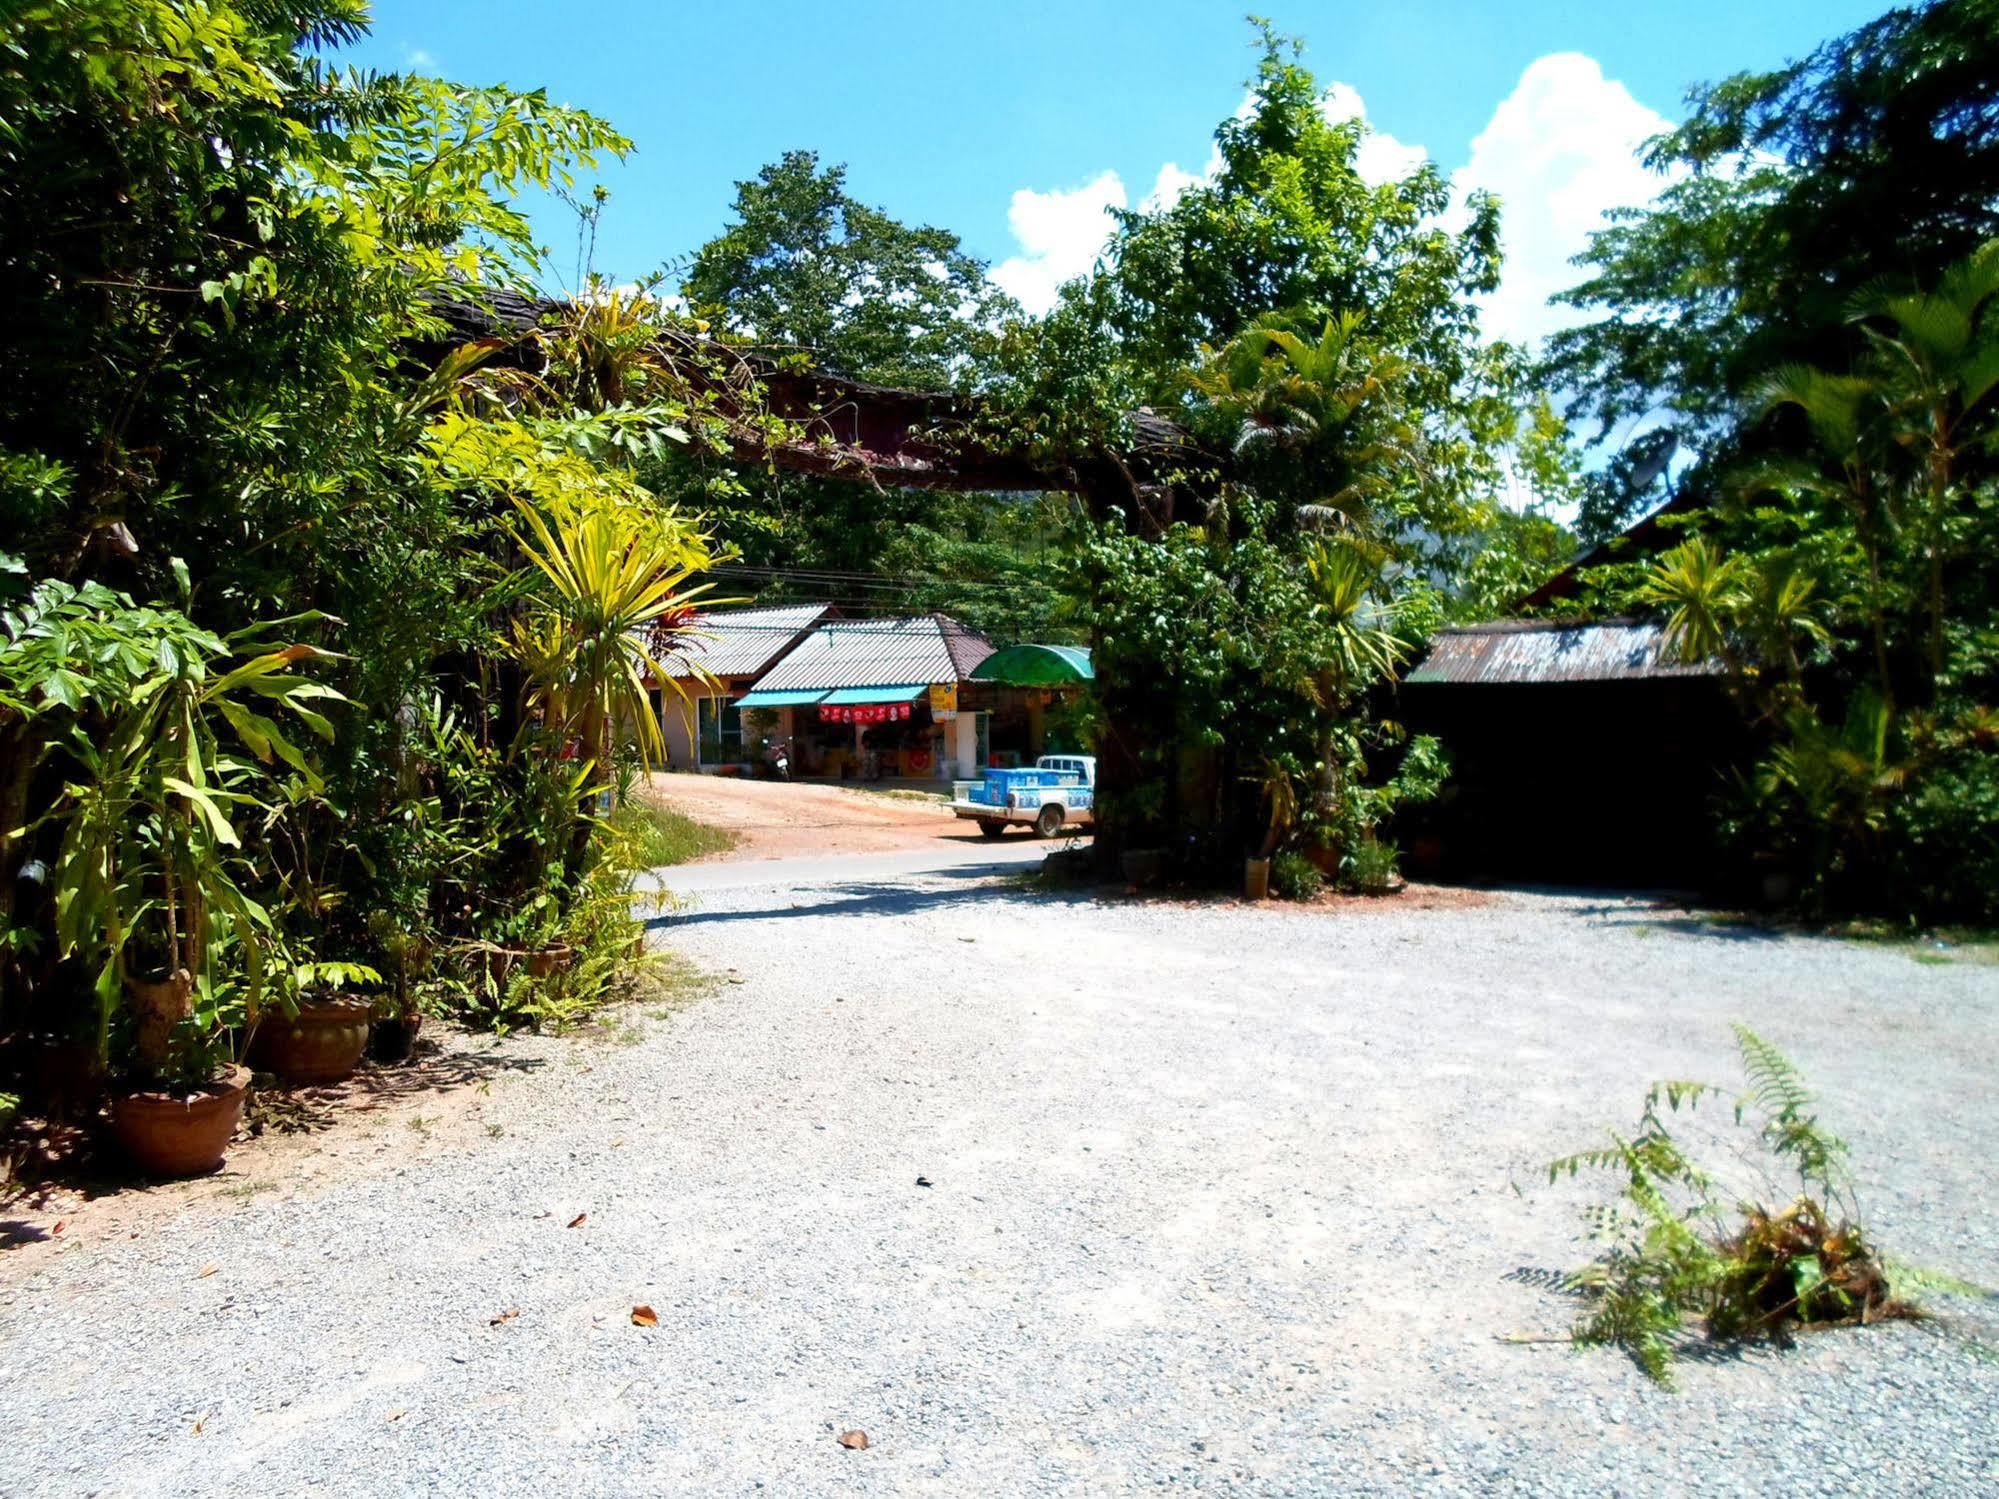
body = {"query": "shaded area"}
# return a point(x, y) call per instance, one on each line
point(79, 1156)
point(1611, 783)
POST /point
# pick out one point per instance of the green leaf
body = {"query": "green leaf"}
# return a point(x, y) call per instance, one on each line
point(204, 804)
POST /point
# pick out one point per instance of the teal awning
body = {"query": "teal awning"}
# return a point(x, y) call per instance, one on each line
point(877, 694)
point(780, 699)
point(1036, 666)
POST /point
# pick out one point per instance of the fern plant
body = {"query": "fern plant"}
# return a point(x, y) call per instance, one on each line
point(1676, 1247)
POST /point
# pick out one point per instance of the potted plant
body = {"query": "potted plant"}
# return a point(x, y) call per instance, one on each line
point(148, 896)
point(180, 1112)
point(398, 1021)
point(1280, 795)
point(315, 1033)
point(147, 892)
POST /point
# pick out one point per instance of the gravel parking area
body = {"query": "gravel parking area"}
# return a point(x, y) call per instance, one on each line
point(1046, 1194)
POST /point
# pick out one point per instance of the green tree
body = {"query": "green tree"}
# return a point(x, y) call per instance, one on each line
point(807, 266)
point(1290, 221)
point(1786, 193)
point(1850, 591)
point(227, 263)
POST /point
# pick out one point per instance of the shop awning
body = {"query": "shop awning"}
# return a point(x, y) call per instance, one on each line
point(1036, 666)
point(855, 695)
point(780, 699)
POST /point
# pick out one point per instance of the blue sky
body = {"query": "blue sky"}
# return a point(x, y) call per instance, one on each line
point(1014, 124)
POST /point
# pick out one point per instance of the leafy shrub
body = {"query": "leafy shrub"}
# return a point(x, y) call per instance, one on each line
point(1295, 877)
point(1371, 866)
point(1677, 1247)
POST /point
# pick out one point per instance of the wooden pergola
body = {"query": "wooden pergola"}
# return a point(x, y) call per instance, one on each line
point(845, 429)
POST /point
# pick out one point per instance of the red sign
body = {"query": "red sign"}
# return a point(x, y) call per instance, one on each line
point(863, 712)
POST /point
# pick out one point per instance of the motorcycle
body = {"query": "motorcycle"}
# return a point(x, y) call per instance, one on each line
point(777, 761)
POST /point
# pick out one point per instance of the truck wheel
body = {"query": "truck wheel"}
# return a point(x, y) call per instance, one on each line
point(1049, 822)
point(991, 827)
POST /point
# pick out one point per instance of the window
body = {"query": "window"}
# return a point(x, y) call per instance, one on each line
point(721, 726)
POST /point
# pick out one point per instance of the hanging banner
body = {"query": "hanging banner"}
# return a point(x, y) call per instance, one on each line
point(863, 713)
point(943, 701)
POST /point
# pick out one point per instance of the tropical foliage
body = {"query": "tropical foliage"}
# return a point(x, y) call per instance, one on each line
point(1809, 318)
point(1848, 588)
point(320, 649)
point(1682, 1243)
point(1319, 332)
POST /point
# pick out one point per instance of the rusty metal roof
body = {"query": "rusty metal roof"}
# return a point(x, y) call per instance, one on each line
point(1617, 650)
point(877, 652)
point(742, 642)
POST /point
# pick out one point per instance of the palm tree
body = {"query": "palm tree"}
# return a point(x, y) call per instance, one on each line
point(1323, 411)
point(1358, 645)
point(614, 575)
point(1937, 365)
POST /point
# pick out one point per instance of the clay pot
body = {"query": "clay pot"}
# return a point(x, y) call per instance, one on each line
point(554, 958)
point(181, 1134)
point(394, 1037)
point(322, 1044)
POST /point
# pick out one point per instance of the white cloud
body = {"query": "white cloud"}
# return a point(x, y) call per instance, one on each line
point(417, 60)
point(1060, 235)
point(1560, 151)
point(1382, 158)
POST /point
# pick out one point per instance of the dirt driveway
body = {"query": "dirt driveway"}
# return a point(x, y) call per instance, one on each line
point(779, 820)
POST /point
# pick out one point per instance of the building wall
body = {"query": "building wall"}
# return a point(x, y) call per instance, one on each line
point(676, 726)
point(679, 720)
point(961, 747)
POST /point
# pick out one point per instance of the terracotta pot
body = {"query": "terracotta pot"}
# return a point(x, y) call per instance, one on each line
point(394, 1037)
point(554, 958)
point(322, 1044)
point(181, 1134)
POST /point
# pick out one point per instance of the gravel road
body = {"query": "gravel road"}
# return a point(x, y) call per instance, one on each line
point(1047, 1195)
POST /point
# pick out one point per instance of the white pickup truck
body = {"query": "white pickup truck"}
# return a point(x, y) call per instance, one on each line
point(1056, 791)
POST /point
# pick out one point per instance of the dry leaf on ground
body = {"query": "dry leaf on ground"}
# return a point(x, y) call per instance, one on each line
point(507, 1316)
point(855, 1440)
point(644, 1316)
point(577, 1221)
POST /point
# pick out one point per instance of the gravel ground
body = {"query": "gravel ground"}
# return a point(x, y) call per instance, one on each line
point(1217, 1198)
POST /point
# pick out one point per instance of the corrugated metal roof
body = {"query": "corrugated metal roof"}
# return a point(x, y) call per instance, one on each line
point(742, 642)
point(879, 652)
point(1619, 650)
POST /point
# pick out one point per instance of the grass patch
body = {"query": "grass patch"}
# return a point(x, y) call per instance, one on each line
point(903, 794)
point(659, 835)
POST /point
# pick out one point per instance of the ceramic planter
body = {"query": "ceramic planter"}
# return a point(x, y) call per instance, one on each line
point(181, 1134)
point(394, 1037)
point(323, 1043)
point(1256, 879)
